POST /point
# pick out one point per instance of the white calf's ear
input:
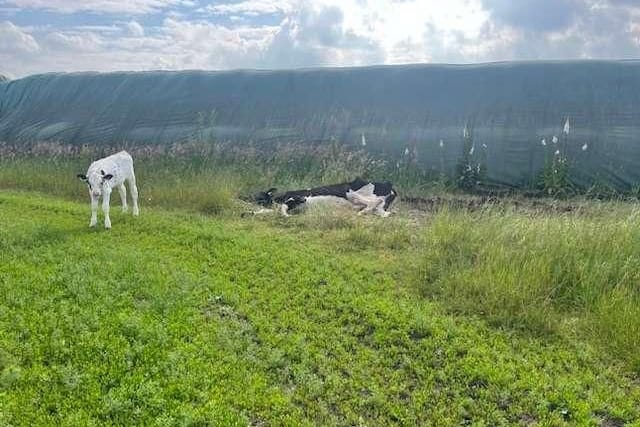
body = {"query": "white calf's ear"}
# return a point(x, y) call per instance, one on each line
point(82, 177)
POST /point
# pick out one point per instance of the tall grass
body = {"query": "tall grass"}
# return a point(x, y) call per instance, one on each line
point(204, 177)
point(544, 274)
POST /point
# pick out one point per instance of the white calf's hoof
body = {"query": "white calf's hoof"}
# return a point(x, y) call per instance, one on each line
point(136, 212)
point(107, 225)
point(125, 209)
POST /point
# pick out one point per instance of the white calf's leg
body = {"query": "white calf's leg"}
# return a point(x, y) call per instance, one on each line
point(284, 209)
point(105, 208)
point(94, 211)
point(123, 197)
point(134, 194)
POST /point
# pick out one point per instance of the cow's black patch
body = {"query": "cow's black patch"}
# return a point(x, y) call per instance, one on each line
point(382, 188)
point(389, 200)
point(265, 198)
point(294, 201)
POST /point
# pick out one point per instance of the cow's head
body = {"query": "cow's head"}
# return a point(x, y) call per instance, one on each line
point(96, 181)
point(265, 198)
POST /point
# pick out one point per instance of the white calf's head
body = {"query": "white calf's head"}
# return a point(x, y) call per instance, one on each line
point(97, 181)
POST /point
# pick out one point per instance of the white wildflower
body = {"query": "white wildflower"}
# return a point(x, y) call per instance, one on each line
point(441, 143)
point(473, 147)
point(566, 127)
point(484, 146)
point(406, 151)
point(554, 139)
point(585, 146)
point(364, 141)
point(557, 153)
point(465, 132)
point(543, 142)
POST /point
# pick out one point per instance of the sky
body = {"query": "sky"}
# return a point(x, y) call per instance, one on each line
point(38, 36)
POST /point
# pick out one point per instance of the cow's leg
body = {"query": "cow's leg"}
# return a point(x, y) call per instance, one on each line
point(94, 211)
point(134, 194)
point(284, 209)
point(368, 207)
point(361, 203)
point(381, 211)
point(371, 206)
point(389, 201)
point(105, 207)
point(359, 206)
point(123, 197)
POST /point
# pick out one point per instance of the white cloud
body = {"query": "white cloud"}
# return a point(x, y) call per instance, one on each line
point(97, 6)
point(251, 7)
point(398, 25)
point(135, 29)
point(98, 28)
point(317, 35)
point(15, 40)
point(206, 45)
point(74, 42)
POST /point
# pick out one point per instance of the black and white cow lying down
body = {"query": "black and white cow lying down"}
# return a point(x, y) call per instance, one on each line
point(366, 196)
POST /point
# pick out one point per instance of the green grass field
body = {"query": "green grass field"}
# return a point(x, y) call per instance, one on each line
point(497, 317)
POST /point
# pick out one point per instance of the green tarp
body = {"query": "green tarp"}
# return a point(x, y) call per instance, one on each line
point(507, 107)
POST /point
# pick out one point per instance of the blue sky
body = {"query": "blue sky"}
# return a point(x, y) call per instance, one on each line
point(39, 36)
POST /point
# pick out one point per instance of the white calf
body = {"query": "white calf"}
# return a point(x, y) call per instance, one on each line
point(105, 174)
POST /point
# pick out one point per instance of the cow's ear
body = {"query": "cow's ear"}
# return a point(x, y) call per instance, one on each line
point(271, 191)
point(107, 177)
point(82, 177)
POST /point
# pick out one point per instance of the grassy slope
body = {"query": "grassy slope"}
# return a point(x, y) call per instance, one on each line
point(177, 319)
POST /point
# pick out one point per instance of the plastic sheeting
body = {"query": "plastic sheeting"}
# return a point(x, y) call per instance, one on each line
point(508, 108)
